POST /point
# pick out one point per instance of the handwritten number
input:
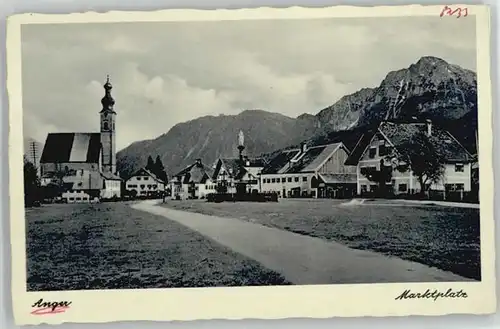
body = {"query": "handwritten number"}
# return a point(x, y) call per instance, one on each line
point(448, 11)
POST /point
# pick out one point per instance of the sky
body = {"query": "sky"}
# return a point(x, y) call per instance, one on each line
point(164, 73)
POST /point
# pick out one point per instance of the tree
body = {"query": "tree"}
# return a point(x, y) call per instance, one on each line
point(151, 164)
point(31, 183)
point(418, 152)
point(159, 170)
point(380, 176)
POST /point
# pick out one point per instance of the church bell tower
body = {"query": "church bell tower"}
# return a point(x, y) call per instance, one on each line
point(108, 139)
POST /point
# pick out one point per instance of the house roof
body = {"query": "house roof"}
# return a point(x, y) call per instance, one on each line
point(234, 169)
point(71, 147)
point(279, 161)
point(398, 133)
point(110, 176)
point(254, 163)
point(293, 161)
point(338, 178)
point(359, 148)
point(232, 166)
point(144, 172)
point(313, 158)
point(194, 173)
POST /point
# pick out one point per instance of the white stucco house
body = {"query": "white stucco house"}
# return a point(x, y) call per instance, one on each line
point(374, 147)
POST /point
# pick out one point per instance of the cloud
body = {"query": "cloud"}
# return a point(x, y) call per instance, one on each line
point(166, 73)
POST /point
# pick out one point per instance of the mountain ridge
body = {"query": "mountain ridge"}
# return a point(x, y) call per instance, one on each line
point(429, 88)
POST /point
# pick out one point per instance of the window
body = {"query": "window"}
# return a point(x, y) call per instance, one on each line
point(273, 180)
point(138, 178)
point(304, 179)
point(269, 180)
point(105, 125)
point(459, 187)
point(383, 150)
point(402, 188)
point(146, 178)
point(71, 199)
point(283, 179)
point(289, 179)
point(372, 152)
point(142, 185)
point(296, 179)
point(459, 167)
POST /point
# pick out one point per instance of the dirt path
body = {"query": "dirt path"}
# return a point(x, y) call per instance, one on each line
point(302, 259)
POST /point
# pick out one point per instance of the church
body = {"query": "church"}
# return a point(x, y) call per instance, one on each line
point(84, 163)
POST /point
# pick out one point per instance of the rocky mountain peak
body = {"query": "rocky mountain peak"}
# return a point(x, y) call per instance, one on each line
point(429, 88)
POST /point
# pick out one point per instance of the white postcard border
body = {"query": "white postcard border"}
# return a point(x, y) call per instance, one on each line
point(315, 301)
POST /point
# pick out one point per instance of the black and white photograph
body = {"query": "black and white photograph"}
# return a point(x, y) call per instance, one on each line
point(253, 153)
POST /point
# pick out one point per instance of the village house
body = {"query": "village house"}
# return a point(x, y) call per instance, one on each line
point(192, 182)
point(374, 147)
point(81, 164)
point(316, 171)
point(229, 172)
point(144, 183)
point(237, 175)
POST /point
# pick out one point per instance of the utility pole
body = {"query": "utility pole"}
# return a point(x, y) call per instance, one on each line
point(34, 154)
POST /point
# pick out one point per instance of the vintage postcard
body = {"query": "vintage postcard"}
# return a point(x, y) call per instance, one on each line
point(255, 163)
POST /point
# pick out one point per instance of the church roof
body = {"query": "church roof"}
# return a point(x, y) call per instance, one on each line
point(71, 147)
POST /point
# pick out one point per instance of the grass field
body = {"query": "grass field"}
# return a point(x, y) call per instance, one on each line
point(442, 237)
point(106, 246)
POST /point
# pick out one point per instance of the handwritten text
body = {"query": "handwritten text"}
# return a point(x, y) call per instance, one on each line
point(42, 307)
point(428, 294)
point(449, 11)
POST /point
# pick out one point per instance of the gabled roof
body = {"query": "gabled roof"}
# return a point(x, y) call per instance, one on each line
point(194, 173)
point(235, 170)
point(279, 161)
point(232, 166)
point(294, 161)
point(71, 147)
point(398, 133)
point(312, 159)
point(146, 172)
point(359, 148)
point(254, 163)
point(110, 176)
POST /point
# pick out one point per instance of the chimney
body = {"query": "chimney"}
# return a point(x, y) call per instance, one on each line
point(198, 162)
point(429, 127)
point(303, 147)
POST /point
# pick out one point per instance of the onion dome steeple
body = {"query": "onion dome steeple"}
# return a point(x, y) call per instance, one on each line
point(107, 101)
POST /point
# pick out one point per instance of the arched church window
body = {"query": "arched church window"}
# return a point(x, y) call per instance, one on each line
point(105, 126)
